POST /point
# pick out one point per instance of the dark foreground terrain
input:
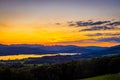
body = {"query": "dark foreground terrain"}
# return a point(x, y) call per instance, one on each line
point(73, 70)
point(105, 77)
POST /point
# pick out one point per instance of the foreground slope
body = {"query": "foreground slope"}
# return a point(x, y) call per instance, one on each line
point(105, 77)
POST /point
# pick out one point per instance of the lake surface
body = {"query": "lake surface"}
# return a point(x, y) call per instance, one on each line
point(25, 56)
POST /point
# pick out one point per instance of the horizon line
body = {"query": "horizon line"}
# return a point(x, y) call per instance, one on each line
point(54, 45)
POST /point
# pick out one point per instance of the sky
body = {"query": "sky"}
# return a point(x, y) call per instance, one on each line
point(60, 22)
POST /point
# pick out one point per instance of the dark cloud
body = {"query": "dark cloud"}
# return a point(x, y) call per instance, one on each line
point(71, 24)
point(87, 23)
point(58, 23)
point(100, 22)
point(96, 25)
point(92, 23)
point(97, 34)
point(93, 40)
point(111, 39)
point(81, 23)
point(104, 34)
point(114, 23)
point(94, 28)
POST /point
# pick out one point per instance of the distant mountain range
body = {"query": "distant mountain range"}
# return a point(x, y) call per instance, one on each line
point(94, 52)
point(85, 52)
point(114, 50)
point(41, 49)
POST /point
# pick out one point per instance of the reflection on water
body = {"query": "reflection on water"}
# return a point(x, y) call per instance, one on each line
point(69, 54)
point(25, 56)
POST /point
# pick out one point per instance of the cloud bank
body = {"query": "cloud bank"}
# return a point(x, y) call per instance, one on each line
point(96, 25)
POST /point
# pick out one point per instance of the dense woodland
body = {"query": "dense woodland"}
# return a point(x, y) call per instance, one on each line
point(62, 71)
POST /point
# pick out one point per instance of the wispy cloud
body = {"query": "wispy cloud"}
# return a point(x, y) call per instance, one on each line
point(93, 40)
point(58, 23)
point(103, 34)
point(90, 23)
point(114, 23)
point(96, 25)
point(87, 23)
point(3, 25)
point(111, 39)
point(105, 27)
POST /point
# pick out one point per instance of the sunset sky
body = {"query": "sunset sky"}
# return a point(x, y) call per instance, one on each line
point(60, 22)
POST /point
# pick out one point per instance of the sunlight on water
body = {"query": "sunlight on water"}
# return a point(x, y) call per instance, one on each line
point(25, 56)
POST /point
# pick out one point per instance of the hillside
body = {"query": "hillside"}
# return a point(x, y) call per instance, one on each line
point(40, 49)
point(73, 70)
point(105, 77)
point(114, 50)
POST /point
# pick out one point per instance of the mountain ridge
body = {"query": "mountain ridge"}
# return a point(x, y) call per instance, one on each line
point(42, 49)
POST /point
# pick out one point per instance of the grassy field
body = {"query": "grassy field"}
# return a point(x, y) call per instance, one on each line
point(105, 77)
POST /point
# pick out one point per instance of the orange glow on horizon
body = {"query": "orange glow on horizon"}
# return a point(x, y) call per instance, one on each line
point(49, 34)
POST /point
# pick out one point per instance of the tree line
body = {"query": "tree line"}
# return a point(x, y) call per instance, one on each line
point(62, 71)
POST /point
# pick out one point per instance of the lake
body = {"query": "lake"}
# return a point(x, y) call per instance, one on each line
point(25, 56)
